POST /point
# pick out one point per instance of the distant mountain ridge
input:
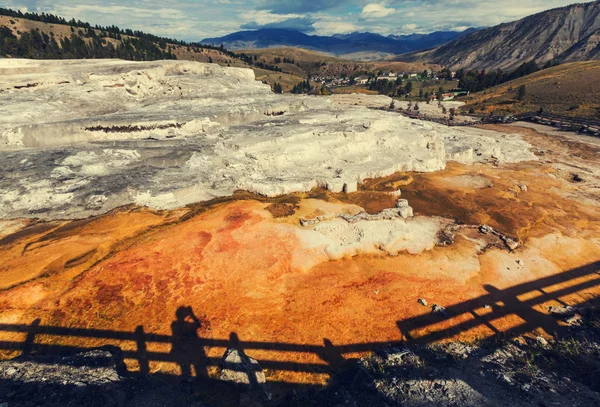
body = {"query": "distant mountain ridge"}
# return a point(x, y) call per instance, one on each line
point(566, 34)
point(338, 44)
point(434, 38)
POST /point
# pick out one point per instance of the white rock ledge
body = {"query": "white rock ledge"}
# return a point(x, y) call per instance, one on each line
point(88, 136)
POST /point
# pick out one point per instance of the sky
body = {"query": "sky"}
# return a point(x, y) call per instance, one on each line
point(193, 20)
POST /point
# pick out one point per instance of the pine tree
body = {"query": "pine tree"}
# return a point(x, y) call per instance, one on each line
point(521, 92)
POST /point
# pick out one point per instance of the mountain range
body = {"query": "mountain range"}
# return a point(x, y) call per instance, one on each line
point(339, 44)
point(566, 34)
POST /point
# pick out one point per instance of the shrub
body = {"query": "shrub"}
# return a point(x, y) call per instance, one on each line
point(521, 92)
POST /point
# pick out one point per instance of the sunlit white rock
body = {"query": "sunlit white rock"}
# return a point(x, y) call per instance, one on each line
point(169, 133)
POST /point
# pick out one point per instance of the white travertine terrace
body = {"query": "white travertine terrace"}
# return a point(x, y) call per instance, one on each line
point(78, 138)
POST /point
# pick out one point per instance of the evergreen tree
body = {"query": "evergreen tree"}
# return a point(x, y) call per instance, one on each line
point(521, 92)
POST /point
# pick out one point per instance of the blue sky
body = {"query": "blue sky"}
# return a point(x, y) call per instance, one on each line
point(193, 20)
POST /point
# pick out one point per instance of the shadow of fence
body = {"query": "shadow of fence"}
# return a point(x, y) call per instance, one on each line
point(520, 300)
point(498, 304)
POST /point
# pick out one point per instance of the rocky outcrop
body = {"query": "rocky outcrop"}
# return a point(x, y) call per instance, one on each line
point(565, 34)
point(390, 231)
point(510, 243)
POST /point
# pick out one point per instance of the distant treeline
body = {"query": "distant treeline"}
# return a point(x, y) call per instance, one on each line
point(87, 41)
point(391, 87)
point(470, 81)
point(302, 87)
point(476, 81)
point(305, 87)
point(285, 60)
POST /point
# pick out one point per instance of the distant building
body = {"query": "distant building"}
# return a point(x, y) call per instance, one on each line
point(389, 76)
point(362, 80)
point(445, 96)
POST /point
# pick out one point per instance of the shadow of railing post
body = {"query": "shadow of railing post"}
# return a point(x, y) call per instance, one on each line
point(332, 355)
point(142, 350)
point(29, 343)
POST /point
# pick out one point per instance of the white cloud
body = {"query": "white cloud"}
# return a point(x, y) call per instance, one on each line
point(460, 28)
point(264, 17)
point(169, 13)
point(334, 27)
point(376, 10)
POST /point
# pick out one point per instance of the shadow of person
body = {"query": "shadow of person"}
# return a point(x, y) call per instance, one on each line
point(28, 345)
point(332, 355)
point(187, 348)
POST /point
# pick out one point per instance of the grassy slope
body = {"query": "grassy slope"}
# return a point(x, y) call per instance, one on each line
point(558, 90)
point(62, 31)
point(318, 63)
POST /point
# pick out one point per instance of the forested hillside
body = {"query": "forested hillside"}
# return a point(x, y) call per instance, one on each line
point(80, 44)
point(46, 36)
